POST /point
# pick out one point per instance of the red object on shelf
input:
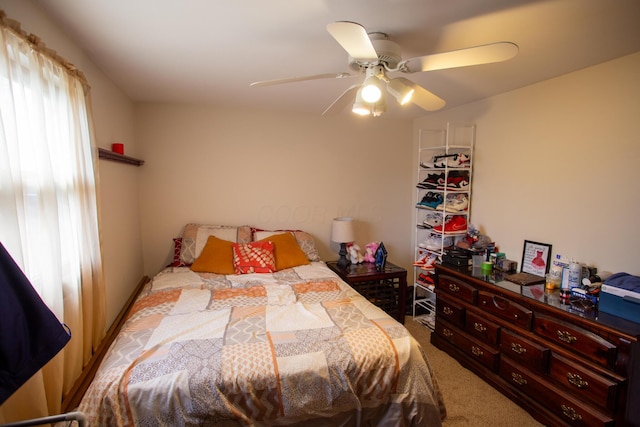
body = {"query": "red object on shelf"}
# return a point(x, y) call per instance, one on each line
point(117, 147)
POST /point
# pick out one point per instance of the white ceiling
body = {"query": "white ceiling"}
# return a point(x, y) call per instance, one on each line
point(209, 51)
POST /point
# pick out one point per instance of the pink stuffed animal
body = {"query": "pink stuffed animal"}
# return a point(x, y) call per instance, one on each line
point(370, 251)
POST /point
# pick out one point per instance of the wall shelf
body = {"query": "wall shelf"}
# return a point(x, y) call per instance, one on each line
point(110, 155)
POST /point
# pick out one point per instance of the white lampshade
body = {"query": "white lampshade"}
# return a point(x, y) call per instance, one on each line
point(342, 230)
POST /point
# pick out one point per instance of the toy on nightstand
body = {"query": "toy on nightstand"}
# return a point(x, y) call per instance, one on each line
point(355, 256)
point(370, 251)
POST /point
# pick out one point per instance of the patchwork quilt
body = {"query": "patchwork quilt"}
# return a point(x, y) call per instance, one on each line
point(295, 347)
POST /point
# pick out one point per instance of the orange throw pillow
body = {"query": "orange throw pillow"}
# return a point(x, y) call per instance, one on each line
point(287, 251)
point(216, 257)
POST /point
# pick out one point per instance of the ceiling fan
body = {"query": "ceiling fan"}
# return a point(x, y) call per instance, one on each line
point(374, 55)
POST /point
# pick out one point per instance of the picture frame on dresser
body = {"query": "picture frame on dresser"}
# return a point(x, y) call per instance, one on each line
point(536, 258)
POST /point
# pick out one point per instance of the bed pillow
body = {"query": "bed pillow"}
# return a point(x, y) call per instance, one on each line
point(254, 257)
point(177, 248)
point(304, 239)
point(194, 238)
point(216, 257)
point(287, 251)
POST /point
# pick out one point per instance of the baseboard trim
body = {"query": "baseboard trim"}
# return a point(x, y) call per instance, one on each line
point(73, 398)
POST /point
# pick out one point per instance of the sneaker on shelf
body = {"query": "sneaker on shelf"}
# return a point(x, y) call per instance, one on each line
point(430, 200)
point(457, 183)
point(432, 242)
point(459, 160)
point(438, 162)
point(456, 224)
point(435, 242)
point(433, 180)
point(425, 279)
point(456, 202)
point(429, 262)
point(432, 219)
point(421, 260)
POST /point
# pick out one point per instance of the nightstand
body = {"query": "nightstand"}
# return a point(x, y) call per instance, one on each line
point(386, 288)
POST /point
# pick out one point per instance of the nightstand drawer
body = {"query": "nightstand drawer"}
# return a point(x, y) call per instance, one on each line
point(569, 409)
point(481, 328)
point(583, 382)
point(478, 351)
point(449, 310)
point(457, 288)
point(525, 352)
point(505, 309)
point(583, 342)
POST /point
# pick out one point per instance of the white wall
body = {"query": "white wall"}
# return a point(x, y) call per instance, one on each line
point(113, 119)
point(273, 170)
point(557, 162)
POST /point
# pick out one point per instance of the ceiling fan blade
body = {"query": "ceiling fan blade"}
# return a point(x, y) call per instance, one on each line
point(425, 99)
point(354, 39)
point(494, 52)
point(343, 100)
point(300, 79)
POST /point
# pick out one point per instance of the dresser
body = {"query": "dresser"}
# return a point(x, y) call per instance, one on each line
point(565, 364)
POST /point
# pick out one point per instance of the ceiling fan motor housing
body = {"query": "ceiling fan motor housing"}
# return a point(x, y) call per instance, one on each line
point(388, 52)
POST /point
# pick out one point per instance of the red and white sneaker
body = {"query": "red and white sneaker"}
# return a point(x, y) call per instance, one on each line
point(456, 224)
point(421, 260)
point(425, 279)
point(429, 263)
point(459, 160)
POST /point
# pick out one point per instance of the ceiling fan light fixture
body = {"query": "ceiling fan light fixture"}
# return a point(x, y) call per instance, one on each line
point(379, 107)
point(401, 90)
point(371, 89)
point(360, 107)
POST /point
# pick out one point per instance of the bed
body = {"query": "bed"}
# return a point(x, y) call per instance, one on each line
point(249, 327)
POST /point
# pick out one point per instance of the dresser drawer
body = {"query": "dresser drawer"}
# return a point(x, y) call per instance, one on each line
point(458, 288)
point(583, 382)
point(527, 353)
point(568, 409)
point(505, 309)
point(481, 328)
point(478, 351)
point(583, 342)
point(449, 310)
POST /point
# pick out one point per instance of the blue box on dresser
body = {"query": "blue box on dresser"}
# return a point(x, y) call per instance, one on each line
point(620, 296)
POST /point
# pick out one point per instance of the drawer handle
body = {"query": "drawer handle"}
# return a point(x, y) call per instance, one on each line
point(517, 348)
point(576, 380)
point(476, 351)
point(518, 379)
point(565, 336)
point(447, 333)
point(479, 327)
point(570, 413)
point(453, 287)
point(447, 311)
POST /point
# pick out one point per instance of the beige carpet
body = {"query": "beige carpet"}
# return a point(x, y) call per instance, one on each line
point(469, 400)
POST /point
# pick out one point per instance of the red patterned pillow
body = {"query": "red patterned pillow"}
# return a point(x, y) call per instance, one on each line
point(177, 249)
point(254, 257)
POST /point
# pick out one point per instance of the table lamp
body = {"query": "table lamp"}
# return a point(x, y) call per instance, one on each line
point(342, 232)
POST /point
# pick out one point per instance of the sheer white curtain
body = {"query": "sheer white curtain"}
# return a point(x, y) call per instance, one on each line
point(48, 206)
